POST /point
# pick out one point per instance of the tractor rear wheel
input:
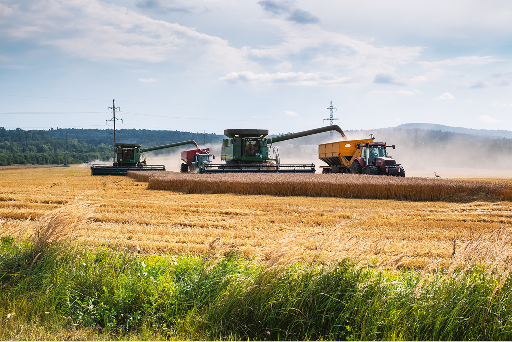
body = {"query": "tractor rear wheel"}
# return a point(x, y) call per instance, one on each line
point(356, 168)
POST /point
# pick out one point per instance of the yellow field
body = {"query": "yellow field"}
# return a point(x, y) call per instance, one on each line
point(125, 213)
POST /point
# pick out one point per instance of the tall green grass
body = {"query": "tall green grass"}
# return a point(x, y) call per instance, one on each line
point(72, 292)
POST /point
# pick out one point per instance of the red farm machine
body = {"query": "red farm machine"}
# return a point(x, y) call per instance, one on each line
point(194, 160)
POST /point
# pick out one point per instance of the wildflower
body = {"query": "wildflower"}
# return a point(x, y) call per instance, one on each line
point(9, 315)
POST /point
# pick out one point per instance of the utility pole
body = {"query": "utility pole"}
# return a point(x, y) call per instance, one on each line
point(67, 149)
point(331, 117)
point(114, 119)
point(415, 147)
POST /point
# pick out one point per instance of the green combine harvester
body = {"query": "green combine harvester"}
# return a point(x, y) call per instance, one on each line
point(128, 157)
point(249, 151)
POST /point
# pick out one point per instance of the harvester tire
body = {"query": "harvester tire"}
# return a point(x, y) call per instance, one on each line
point(401, 173)
point(372, 170)
point(326, 170)
point(184, 168)
point(356, 168)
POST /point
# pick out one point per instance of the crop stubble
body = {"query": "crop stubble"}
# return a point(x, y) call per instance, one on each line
point(124, 212)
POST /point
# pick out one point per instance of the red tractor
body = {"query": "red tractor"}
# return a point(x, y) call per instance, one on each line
point(194, 160)
point(374, 160)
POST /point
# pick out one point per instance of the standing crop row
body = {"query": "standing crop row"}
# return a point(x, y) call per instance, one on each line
point(345, 186)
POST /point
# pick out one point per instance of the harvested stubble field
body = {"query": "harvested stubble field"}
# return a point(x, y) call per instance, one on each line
point(390, 233)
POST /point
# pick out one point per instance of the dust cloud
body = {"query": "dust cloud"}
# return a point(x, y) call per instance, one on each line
point(421, 152)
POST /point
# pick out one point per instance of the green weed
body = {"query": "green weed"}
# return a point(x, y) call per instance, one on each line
point(72, 292)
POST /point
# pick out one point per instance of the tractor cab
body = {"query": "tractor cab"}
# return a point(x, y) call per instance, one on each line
point(203, 158)
point(375, 154)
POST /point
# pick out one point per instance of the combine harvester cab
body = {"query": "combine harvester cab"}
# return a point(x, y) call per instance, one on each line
point(359, 157)
point(128, 157)
point(248, 151)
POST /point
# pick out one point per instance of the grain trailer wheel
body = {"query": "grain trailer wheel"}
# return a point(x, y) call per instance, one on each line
point(356, 168)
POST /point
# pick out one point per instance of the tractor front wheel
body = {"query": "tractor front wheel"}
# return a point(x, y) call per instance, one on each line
point(401, 173)
point(356, 168)
point(372, 170)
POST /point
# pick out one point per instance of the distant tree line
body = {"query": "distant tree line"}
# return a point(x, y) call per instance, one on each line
point(39, 147)
point(55, 146)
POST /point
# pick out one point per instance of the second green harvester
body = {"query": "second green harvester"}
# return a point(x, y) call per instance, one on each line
point(250, 151)
point(128, 157)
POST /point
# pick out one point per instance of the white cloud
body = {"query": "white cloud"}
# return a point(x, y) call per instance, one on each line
point(147, 80)
point(480, 84)
point(291, 113)
point(487, 119)
point(288, 10)
point(446, 96)
point(104, 32)
point(99, 31)
point(13, 67)
point(290, 78)
point(469, 102)
point(6, 10)
point(389, 78)
point(401, 92)
point(502, 103)
point(470, 60)
point(311, 45)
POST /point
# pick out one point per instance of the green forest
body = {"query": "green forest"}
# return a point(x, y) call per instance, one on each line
point(76, 146)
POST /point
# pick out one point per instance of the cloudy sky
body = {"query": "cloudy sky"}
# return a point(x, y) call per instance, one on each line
point(208, 65)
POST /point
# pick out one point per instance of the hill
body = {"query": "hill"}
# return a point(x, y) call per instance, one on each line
point(480, 132)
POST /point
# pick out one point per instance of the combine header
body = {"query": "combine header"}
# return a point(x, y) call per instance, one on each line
point(248, 151)
point(128, 158)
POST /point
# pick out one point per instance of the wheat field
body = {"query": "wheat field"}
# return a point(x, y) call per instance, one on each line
point(124, 212)
point(331, 185)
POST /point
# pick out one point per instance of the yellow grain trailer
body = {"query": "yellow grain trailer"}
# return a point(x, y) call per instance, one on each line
point(358, 156)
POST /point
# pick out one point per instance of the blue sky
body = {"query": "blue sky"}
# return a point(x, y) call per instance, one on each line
point(208, 65)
